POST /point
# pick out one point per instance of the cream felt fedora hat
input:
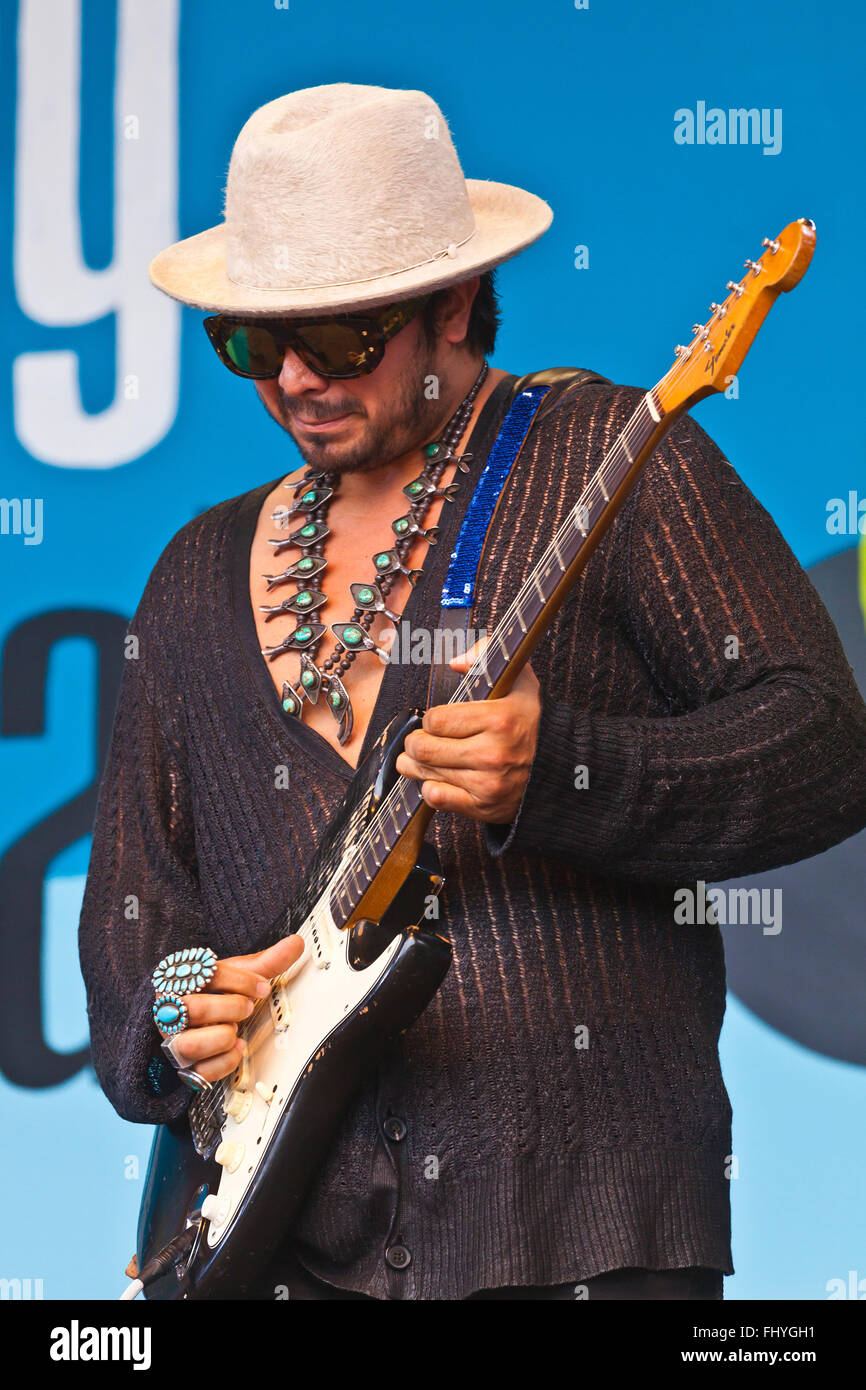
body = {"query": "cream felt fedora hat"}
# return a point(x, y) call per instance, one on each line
point(344, 196)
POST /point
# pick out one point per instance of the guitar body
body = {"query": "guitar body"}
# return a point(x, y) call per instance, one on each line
point(326, 1022)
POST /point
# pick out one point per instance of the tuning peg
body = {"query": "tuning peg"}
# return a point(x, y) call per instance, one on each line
point(735, 288)
point(681, 351)
point(700, 330)
point(754, 266)
point(718, 309)
point(772, 246)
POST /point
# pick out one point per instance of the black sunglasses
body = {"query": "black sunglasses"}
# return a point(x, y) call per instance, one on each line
point(338, 346)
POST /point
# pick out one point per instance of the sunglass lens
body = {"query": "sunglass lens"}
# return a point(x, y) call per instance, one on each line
point(254, 350)
point(340, 349)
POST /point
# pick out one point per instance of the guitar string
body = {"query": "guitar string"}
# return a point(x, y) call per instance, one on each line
point(590, 495)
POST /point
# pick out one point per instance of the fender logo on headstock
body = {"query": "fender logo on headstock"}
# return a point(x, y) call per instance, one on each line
point(712, 361)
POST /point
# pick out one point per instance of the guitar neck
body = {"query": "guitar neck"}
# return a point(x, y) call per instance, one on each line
point(511, 642)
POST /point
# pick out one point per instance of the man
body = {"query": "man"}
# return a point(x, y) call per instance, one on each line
point(555, 1124)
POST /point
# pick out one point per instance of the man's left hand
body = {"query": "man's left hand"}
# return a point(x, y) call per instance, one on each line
point(474, 757)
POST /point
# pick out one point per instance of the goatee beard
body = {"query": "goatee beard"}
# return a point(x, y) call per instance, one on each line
point(411, 417)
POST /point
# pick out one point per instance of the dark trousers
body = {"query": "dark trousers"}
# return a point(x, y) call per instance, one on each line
point(652, 1284)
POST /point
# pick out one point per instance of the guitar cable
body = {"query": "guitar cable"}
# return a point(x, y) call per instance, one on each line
point(170, 1255)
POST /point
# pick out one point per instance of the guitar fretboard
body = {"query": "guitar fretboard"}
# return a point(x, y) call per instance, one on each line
point(527, 611)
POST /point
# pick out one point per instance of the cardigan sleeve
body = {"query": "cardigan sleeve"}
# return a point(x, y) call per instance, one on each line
point(142, 899)
point(761, 759)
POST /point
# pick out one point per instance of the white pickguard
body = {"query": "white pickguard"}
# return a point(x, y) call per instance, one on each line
point(322, 990)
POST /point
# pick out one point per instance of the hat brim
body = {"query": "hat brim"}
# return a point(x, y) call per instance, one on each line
point(507, 220)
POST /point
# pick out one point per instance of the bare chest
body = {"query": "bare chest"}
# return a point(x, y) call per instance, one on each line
point(355, 538)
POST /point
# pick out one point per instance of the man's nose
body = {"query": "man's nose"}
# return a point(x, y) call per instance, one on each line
point(295, 376)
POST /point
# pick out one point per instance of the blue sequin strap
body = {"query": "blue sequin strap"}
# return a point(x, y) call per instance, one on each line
point(459, 588)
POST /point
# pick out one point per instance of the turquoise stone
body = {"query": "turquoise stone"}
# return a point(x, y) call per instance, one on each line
point(401, 525)
point(308, 678)
point(335, 698)
point(381, 561)
point(309, 497)
point(167, 1014)
point(352, 635)
point(304, 599)
point(431, 450)
point(309, 530)
point(303, 634)
point(306, 564)
point(290, 704)
point(366, 595)
point(184, 969)
point(415, 488)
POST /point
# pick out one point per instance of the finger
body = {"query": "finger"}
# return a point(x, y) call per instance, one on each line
point(470, 717)
point(236, 979)
point(218, 1008)
point(271, 961)
point(249, 975)
point(442, 796)
point(434, 751)
point(453, 776)
point(215, 1068)
point(464, 660)
point(194, 1044)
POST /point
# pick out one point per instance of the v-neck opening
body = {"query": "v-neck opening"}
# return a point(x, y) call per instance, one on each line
point(434, 569)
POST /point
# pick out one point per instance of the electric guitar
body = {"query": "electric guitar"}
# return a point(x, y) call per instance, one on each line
point(229, 1177)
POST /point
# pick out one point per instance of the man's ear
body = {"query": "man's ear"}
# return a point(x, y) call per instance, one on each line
point(452, 317)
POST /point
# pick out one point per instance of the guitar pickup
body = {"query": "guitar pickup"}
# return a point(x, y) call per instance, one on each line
point(320, 944)
point(281, 1009)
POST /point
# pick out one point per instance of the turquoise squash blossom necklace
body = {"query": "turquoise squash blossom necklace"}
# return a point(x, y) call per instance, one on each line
point(312, 498)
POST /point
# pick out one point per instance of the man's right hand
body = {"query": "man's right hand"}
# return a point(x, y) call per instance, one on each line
point(210, 1045)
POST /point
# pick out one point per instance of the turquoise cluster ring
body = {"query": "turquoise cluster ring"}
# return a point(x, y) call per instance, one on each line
point(170, 1014)
point(185, 972)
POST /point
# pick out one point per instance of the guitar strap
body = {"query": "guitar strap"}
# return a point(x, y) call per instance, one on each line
point(532, 397)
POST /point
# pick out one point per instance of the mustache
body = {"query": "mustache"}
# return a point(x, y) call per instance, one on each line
point(316, 410)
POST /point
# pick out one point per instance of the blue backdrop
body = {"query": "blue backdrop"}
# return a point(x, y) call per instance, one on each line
point(117, 425)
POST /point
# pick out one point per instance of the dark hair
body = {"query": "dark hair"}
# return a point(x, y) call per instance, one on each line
point(484, 317)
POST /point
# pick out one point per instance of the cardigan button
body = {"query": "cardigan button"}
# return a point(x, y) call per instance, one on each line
point(395, 1128)
point(397, 1256)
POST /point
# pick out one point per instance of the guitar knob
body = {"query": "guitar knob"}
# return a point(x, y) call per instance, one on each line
point(230, 1155)
point(215, 1209)
point(238, 1105)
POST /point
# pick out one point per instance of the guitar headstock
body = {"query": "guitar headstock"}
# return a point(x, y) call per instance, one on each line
point(718, 346)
